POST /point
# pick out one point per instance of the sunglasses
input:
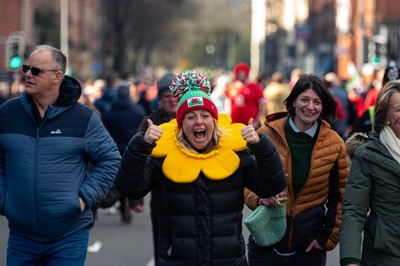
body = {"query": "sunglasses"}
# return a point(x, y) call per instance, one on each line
point(35, 70)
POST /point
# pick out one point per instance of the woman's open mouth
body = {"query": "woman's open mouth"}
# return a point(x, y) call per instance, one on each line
point(199, 133)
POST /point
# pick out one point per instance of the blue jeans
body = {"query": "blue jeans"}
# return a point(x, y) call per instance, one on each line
point(70, 250)
point(268, 257)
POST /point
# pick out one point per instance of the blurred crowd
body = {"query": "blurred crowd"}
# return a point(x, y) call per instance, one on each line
point(124, 101)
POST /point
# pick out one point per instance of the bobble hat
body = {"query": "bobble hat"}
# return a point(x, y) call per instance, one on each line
point(192, 92)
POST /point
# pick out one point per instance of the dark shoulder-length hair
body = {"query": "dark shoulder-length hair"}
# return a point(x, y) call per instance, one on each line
point(382, 104)
point(309, 81)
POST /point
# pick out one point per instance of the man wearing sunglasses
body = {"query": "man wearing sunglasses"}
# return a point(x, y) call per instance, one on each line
point(47, 141)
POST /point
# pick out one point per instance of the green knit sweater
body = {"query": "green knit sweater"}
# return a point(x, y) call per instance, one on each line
point(301, 146)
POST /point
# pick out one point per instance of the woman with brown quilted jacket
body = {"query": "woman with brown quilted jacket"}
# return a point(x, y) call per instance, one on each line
point(315, 161)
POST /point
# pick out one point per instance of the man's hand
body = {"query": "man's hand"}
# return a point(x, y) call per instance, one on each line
point(82, 203)
point(138, 208)
point(314, 244)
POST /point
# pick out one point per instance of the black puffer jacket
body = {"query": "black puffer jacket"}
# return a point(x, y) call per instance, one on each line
point(201, 221)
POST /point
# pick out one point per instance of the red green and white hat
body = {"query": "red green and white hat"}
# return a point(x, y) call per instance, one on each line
point(192, 92)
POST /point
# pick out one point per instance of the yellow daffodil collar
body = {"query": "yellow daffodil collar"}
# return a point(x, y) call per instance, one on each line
point(184, 166)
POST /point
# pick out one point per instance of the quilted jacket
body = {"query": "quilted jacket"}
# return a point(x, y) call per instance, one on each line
point(316, 212)
point(44, 168)
point(200, 221)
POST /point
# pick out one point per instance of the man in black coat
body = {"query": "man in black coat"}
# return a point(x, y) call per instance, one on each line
point(166, 112)
point(122, 122)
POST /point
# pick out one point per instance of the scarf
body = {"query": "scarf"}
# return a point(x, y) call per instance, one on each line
point(391, 142)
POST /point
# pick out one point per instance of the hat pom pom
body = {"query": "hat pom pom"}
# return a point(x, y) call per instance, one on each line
point(189, 80)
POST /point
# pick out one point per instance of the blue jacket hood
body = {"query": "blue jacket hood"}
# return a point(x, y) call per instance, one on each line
point(70, 91)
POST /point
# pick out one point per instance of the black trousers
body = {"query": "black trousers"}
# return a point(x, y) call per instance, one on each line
point(260, 256)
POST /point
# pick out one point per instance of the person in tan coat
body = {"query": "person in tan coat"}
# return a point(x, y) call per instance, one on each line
point(315, 161)
point(276, 92)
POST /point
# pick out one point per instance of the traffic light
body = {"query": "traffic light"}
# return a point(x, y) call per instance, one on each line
point(16, 60)
point(380, 50)
point(15, 51)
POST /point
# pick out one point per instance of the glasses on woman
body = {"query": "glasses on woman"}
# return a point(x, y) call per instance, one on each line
point(35, 70)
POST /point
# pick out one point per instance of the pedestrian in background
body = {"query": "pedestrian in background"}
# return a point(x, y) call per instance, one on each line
point(122, 122)
point(138, 94)
point(340, 112)
point(276, 92)
point(199, 165)
point(218, 94)
point(342, 125)
point(295, 74)
point(165, 112)
point(370, 232)
point(246, 97)
point(365, 123)
point(123, 119)
point(108, 94)
point(315, 161)
point(47, 140)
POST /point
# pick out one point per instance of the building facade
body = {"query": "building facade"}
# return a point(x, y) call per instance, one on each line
point(320, 36)
point(34, 22)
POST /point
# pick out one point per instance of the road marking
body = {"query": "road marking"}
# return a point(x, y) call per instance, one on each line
point(151, 262)
point(95, 247)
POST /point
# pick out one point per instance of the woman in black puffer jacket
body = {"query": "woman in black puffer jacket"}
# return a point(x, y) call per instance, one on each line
point(198, 164)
